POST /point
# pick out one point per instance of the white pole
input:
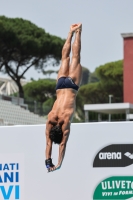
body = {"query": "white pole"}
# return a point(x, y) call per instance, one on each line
point(110, 96)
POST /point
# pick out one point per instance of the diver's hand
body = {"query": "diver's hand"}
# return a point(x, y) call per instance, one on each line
point(57, 167)
point(49, 165)
point(51, 169)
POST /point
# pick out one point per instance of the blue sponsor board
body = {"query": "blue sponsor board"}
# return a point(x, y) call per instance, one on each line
point(11, 176)
point(9, 173)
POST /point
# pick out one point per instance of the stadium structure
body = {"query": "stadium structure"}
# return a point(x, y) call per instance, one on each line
point(8, 86)
point(13, 111)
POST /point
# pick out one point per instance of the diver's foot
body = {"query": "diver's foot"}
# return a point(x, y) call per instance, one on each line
point(79, 29)
point(75, 28)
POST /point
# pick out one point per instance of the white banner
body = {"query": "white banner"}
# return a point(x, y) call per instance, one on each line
point(98, 163)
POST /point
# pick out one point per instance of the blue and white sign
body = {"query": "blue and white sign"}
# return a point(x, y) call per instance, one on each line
point(11, 176)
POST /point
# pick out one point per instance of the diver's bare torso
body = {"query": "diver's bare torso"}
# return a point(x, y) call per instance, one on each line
point(64, 107)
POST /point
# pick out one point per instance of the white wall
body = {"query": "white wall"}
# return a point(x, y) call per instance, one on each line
point(77, 179)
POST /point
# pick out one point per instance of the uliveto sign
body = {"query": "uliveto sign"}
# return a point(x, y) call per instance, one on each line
point(118, 187)
point(117, 155)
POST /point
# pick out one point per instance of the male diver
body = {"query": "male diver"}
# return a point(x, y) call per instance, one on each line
point(68, 82)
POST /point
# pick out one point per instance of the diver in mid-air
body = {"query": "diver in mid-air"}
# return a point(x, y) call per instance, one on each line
point(68, 82)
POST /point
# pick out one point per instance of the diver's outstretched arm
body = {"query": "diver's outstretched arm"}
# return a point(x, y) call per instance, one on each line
point(62, 146)
point(48, 150)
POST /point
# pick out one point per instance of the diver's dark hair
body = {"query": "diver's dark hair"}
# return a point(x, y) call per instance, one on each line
point(56, 134)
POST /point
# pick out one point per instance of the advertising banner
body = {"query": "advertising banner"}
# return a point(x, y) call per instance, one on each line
point(120, 187)
point(98, 163)
point(11, 176)
point(115, 155)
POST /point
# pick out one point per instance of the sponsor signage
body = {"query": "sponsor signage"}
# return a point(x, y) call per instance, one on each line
point(11, 176)
point(115, 155)
point(117, 187)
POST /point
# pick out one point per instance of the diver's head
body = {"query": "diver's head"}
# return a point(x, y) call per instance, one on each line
point(56, 134)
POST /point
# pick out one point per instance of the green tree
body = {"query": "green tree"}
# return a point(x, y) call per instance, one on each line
point(40, 90)
point(111, 75)
point(93, 77)
point(49, 72)
point(24, 45)
point(110, 78)
point(85, 75)
point(47, 105)
point(93, 93)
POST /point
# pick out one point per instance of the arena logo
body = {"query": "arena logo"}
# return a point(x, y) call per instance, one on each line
point(10, 179)
point(110, 155)
point(129, 155)
point(120, 154)
point(118, 187)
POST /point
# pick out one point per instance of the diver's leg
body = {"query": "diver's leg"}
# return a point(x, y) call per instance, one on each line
point(75, 70)
point(64, 68)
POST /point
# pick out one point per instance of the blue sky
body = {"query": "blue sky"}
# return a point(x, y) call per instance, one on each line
point(103, 22)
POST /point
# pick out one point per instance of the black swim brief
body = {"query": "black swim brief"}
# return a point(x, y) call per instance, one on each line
point(66, 82)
